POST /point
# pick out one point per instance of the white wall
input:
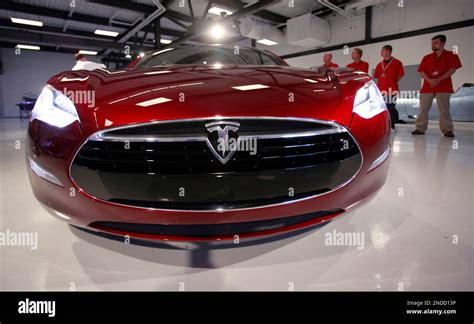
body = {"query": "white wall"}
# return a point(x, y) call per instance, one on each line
point(27, 73)
point(390, 19)
point(410, 51)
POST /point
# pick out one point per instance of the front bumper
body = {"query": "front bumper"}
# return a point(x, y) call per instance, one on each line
point(54, 148)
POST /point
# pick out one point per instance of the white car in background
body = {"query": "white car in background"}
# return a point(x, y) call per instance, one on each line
point(462, 105)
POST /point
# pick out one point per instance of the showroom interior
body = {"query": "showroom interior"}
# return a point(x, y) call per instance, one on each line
point(414, 234)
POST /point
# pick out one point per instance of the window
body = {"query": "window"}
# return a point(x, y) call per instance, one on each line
point(204, 55)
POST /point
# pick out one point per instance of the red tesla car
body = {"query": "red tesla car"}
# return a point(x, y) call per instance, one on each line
point(205, 143)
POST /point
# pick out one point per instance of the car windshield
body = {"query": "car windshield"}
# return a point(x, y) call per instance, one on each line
point(209, 55)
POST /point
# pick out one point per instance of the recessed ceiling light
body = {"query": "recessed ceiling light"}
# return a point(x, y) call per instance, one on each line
point(165, 41)
point(26, 21)
point(141, 54)
point(28, 47)
point(217, 11)
point(267, 42)
point(106, 33)
point(251, 87)
point(152, 102)
point(88, 52)
point(217, 31)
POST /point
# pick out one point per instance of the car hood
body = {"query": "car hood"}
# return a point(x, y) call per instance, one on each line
point(107, 99)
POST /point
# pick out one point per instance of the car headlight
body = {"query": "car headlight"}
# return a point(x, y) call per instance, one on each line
point(54, 108)
point(368, 101)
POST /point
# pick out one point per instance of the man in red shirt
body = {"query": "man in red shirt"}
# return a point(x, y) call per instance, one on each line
point(388, 73)
point(357, 63)
point(436, 70)
point(327, 58)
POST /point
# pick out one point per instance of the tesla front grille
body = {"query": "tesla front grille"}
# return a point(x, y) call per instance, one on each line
point(172, 165)
point(198, 128)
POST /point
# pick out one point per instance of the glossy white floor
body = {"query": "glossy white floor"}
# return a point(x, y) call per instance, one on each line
point(417, 236)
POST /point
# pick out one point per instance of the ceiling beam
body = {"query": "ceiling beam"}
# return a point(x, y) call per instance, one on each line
point(62, 14)
point(191, 10)
point(158, 12)
point(249, 10)
point(176, 17)
point(206, 10)
point(33, 38)
point(7, 24)
point(46, 48)
point(234, 5)
point(127, 5)
point(56, 49)
point(53, 13)
point(143, 8)
point(157, 32)
point(180, 16)
point(177, 22)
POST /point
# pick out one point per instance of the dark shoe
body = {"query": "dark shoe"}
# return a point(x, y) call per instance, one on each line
point(417, 132)
point(449, 134)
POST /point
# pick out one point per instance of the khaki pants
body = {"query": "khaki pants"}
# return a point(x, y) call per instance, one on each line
point(445, 120)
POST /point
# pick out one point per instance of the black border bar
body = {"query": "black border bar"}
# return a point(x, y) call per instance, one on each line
point(356, 305)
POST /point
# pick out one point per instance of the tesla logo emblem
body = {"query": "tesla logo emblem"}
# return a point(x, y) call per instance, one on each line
point(221, 134)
